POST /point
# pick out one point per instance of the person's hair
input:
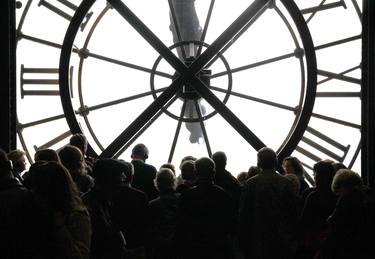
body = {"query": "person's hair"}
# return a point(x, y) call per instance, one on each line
point(71, 157)
point(52, 182)
point(205, 168)
point(267, 158)
point(188, 170)
point(338, 165)
point(128, 170)
point(187, 158)
point(295, 183)
point(323, 174)
point(346, 179)
point(253, 171)
point(79, 140)
point(140, 151)
point(169, 166)
point(242, 177)
point(165, 180)
point(109, 172)
point(296, 164)
point(220, 159)
point(46, 155)
point(15, 156)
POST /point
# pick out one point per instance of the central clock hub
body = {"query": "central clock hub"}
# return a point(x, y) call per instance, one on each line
point(188, 91)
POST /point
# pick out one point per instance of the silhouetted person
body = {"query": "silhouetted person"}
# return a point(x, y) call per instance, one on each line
point(107, 240)
point(59, 199)
point(71, 157)
point(206, 218)
point(351, 224)
point(163, 216)
point(292, 165)
point(130, 212)
point(79, 140)
point(188, 176)
point(40, 156)
point(18, 159)
point(319, 205)
point(224, 178)
point(268, 213)
point(144, 174)
point(22, 231)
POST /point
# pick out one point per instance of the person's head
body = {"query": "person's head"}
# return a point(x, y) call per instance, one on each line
point(253, 171)
point(165, 180)
point(345, 181)
point(71, 157)
point(338, 165)
point(18, 160)
point(5, 165)
point(187, 158)
point(323, 174)
point(79, 140)
point(292, 165)
point(52, 183)
point(188, 170)
point(169, 166)
point(128, 171)
point(205, 168)
point(242, 177)
point(46, 155)
point(220, 160)
point(140, 151)
point(110, 173)
point(294, 183)
point(267, 158)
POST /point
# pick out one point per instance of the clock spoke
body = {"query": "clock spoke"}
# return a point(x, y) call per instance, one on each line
point(338, 75)
point(145, 116)
point(256, 64)
point(22, 126)
point(54, 141)
point(338, 42)
point(126, 64)
point(203, 128)
point(20, 36)
point(206, 24)
point(255, 99)
point(86, 109)
point(240, 32)
point(145, 127)
point(177, 133)
point(335, 120)
point(228, 115)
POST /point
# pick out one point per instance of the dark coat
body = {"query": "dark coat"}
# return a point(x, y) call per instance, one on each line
point(130, 212)
point(268, 217)
point(144, 175)
point(107, 240)
point(206, 220)
point(23, 231)
point(163, 220)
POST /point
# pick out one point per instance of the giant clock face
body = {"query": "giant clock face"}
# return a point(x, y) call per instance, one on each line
point(192, 78)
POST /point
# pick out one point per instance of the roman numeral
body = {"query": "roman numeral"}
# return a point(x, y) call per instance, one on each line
point(40, 81)
point(54, 141)
point(62, 13)
point(322, 147)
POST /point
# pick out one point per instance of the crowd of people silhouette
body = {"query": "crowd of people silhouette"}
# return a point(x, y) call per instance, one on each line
point(69, 205)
